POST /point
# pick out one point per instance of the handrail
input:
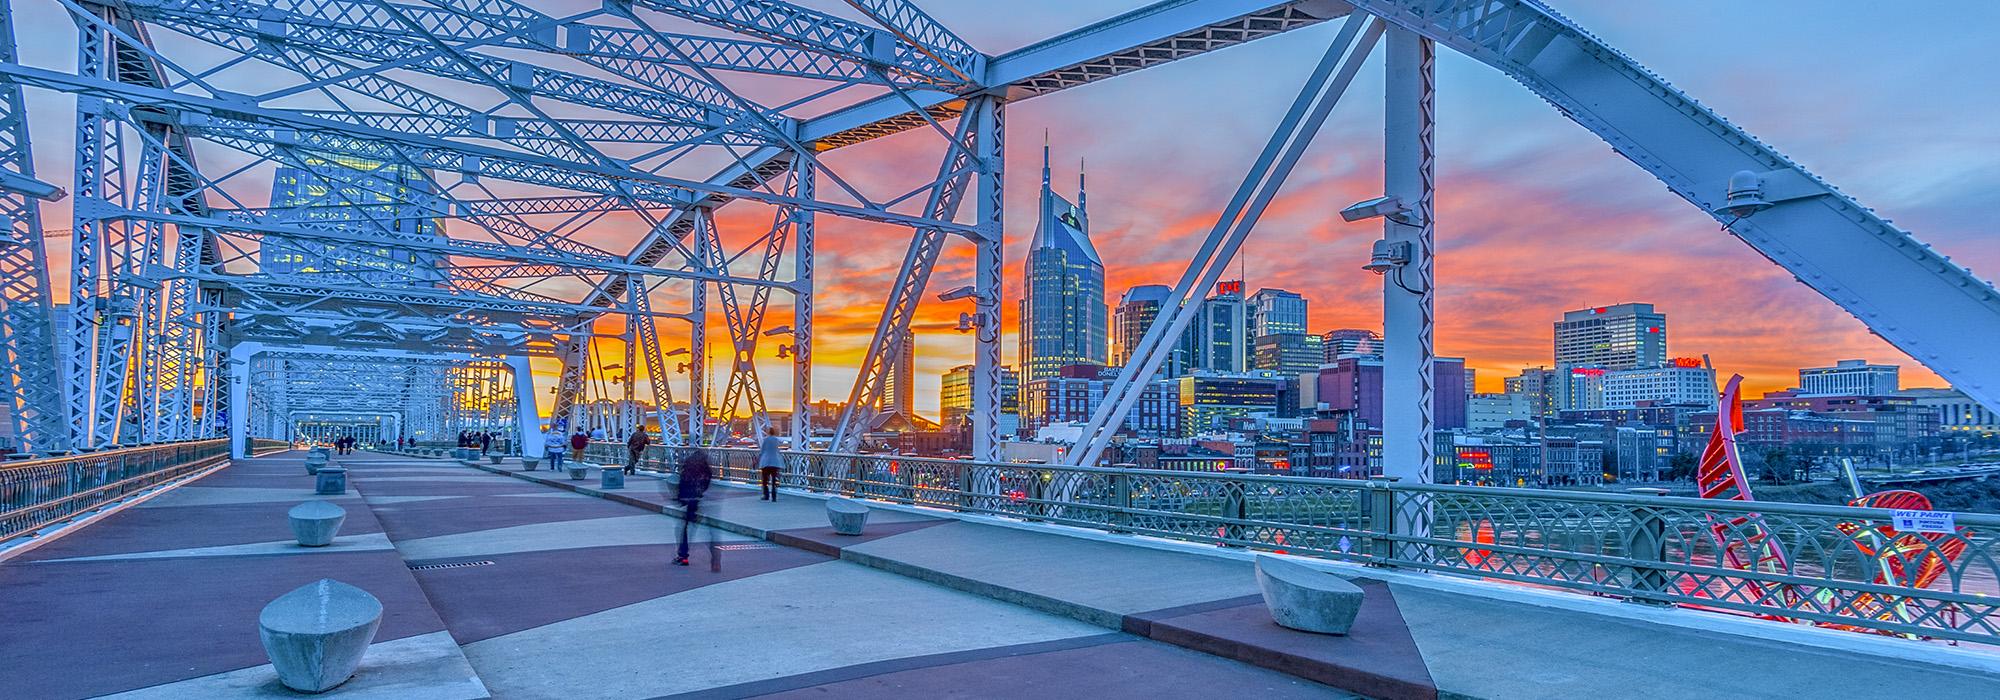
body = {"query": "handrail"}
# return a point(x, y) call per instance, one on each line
point(1842, 566)
point(37, 492)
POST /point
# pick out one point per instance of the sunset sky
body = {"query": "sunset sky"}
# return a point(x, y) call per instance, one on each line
point(1535, 215)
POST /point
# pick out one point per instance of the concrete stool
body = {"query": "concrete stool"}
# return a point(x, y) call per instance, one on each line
point(315, 461)
point(1307, 599)
point(494, 458)
point(611, 477)
point(332, 481)
point(530, 463)
point(578, 470)
point(847, 515)
point(315, 523)
point(317, 634)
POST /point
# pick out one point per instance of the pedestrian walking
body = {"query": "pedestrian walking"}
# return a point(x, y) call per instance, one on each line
point(485, 443)
point(635, 448)
point(576, 444)
point(554, 444)
point(768, 461)
point(694, 478)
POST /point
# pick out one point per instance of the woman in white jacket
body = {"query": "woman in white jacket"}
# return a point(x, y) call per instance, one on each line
point(554, 444)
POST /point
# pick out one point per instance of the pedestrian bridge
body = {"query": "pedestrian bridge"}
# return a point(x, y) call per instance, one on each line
point(140, 573)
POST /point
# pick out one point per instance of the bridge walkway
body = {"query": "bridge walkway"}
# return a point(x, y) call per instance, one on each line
point(502, 587)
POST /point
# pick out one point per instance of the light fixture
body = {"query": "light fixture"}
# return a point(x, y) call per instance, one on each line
point(966, 292)
point(1386, 206)
point(780, 330)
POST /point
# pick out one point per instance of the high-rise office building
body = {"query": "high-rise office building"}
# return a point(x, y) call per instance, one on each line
point(1624, 336)
point(1349, 341)
point(1353, 385)
point(1208, 398)
point(899, 389)
point(1063, 318)
point(1287, 353)
point(1538, 384)
point(1850, 378)
point(1279, 341)
point(1136, 310)
point(1074, 393)
point(955, 393)
point(344, 193)
point(1277, 312)
point(1683, 382)
point(1222, 331)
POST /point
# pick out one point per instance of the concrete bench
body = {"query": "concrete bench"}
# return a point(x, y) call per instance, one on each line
point(315, 461)
point(332, 481)
point(578, 470)
point(610, 477)
point(315, 523)
point(848, 516)
point(1307, 599)
point(530, 463)
point(317, 634)
point(495, 459)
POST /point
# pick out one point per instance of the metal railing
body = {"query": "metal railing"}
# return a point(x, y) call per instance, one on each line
point(37, 492)
point(1841, 566)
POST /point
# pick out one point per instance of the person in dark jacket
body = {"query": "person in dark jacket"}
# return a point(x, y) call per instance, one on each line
point(635, 448)
point(485, 442)
point(694, 478)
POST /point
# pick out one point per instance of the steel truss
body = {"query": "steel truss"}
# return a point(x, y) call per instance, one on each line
point(458, 157)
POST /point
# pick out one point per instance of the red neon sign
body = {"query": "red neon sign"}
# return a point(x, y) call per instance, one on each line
point(1230, 287)
point(1687, 362)
point(1587, 372)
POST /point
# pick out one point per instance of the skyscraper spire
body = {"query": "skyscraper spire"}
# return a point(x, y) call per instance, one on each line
point(1045, 160)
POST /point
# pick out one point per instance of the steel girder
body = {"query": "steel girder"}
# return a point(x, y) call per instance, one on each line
point(746, 324)
point(1901, 289)
point(1904, 291)
point(863, 402)
point(32, 379)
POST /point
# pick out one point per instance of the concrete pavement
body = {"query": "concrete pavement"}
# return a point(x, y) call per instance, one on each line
point(504, 588)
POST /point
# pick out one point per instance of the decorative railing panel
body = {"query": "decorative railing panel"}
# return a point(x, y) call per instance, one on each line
point(37, 492)
point(1835, 566)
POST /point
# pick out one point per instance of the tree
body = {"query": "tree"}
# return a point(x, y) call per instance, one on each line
point(1681, 467)
point(1777, 466)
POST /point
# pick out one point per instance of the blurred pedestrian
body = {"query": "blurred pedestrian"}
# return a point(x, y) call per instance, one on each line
point(694, 478)
point(577, 443)
point(635, 448)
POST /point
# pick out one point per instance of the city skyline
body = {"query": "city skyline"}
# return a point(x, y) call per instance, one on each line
point(1520, 184)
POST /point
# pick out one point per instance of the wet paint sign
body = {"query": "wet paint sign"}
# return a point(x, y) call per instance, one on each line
point(1924, 521)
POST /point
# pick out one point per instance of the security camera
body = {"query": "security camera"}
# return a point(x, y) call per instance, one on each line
point(957, 294)
point(1388, 206)
point(1387, 255)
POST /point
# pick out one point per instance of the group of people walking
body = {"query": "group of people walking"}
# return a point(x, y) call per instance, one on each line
point(481, 440)
point(344, 444)
point(692, 475)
